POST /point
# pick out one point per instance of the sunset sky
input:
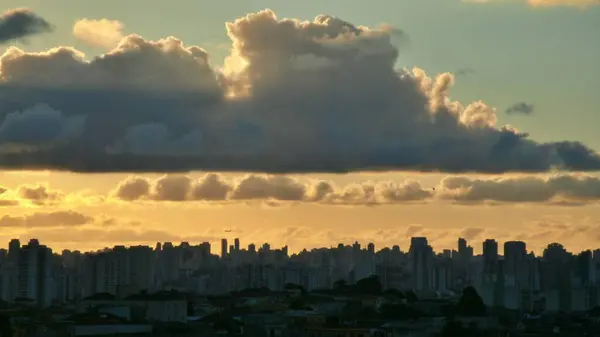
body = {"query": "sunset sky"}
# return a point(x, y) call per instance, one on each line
point(452, 118)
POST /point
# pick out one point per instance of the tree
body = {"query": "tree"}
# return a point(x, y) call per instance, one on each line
point(594, 312)
point(411, 297)
point(470, 303)
point(293, 286)
point(190, 308)
point(299, 304)
point(449, 311)
point(340, 285)
point(452, 329)
point(6, 329)
point(369, 285)
point(400, 312)
point(395, 293)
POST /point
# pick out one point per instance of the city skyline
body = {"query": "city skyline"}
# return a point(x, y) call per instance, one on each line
point(516, 280)
point(385, 120)
point(225, 246)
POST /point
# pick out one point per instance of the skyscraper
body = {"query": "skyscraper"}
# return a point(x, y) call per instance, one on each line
point(35, 273)
point(490, 256)
point(420, 255)
point(515, 254)
point(462, 245)
point(371, 248)
point(223, 247)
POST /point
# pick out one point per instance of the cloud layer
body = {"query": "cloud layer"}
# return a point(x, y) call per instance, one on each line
point(563, 189)
point(212, 187)
point(20, 23)
point(293, 96)
point(557, 189)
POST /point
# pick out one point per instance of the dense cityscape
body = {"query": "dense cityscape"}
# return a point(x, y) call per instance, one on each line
point(180, 284)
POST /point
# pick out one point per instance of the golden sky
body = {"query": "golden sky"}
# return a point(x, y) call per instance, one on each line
point(96, 218)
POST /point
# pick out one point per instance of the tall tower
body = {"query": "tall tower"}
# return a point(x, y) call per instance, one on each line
point(490, 256)
point(420, 261)
point(223, 248)
point(35, 273)
point(515, 253)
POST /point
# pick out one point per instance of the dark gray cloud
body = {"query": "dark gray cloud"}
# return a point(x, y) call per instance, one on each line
point(19, 23)
point(522, 108)
point(318, 96)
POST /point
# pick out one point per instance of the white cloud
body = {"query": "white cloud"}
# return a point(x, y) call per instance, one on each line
point(102, 33)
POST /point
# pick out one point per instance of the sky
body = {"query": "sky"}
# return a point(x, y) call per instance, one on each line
point(346, 141)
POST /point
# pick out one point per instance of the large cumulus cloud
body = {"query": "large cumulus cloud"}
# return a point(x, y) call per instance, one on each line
point(293, 96)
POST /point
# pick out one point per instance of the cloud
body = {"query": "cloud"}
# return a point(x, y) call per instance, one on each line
point(413, 230)
point(40, 194)
point(52, 219)
point(564, 189)
point(111, 236)
point(39, 126)
point(574, 3)
point(20, 23)
point(471, 233)
point(546, 3)
point(102, 33)
point(280, 190)
point(213, 187)
point(8, 202)
point(522, 108)
point(293, 96)
point(521, 189)
point(465, 72)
